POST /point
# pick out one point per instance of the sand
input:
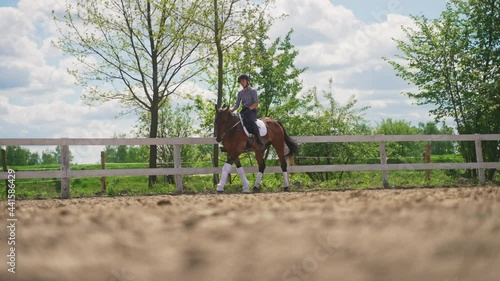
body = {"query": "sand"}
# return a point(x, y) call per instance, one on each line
point(445, 234)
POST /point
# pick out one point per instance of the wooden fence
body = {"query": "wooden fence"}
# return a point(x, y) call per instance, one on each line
point(65, 173)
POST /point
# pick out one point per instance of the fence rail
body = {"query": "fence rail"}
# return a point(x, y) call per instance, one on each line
point(65, 173)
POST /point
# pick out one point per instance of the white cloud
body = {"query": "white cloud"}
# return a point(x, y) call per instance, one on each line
point(14, 22)
point(41, 10)
point(314, 20)
point(38, 97)
point(333, 43)
point(379, 104)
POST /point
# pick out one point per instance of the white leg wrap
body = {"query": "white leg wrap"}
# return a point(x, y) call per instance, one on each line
point(258, 180)
point(243, 177)
point(225, 171)
point(285, 179)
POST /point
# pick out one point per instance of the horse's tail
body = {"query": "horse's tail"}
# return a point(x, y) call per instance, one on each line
point(293, 148)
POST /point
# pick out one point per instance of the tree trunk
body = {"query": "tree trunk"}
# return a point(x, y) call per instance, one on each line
point(153, 151)
point(220, 63)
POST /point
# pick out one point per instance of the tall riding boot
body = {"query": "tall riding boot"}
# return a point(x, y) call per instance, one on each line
point(256, 133)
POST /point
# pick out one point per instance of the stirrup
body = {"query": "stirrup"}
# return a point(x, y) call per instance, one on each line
point(250, 140)
point(261, 143)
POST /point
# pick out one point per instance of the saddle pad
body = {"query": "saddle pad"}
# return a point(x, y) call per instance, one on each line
point(260, 124)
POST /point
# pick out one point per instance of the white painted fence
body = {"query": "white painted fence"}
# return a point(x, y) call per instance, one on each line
point(65, 173)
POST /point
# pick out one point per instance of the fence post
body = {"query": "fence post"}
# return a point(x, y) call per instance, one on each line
point(65, 193)
point(383, 160)
point(103, 167)
point(177, 164)
point(479, 159)
point(4, 165)
point(427, 160)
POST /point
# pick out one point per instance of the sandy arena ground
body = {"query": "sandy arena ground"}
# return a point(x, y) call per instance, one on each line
point(415, 234)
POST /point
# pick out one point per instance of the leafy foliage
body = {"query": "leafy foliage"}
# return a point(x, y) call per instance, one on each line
point(438, 147)
point(136, 52)
point(276, 77)
point(125, 154)
point(175, 121)
point(326, 117)
point(400, 149)
point(453, 61)
point(20, 156)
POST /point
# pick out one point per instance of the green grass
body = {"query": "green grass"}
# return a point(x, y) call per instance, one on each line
point(200, 184)
point(81, 166)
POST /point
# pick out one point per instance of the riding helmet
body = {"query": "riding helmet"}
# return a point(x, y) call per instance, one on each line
point(244, 77)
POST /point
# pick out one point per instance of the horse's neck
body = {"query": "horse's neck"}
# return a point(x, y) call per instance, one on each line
point(234, 120)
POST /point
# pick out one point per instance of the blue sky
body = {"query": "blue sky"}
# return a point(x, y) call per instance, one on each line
point(342, 39)
point(368, 10)
point(8, 3)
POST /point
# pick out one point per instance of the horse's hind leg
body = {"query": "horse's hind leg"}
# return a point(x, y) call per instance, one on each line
point(280, 150)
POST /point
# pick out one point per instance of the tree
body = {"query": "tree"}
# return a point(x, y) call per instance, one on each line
point(142, 50)
point(49, 157)
point(271, 66)
point(58, 152)
point(175, 121)
point(125, 154)
point(438, 147)
point(454, 61)
point(227, 22)
point(276, 76)
point(324, 116)
point(400, 150)
point(273, 73)
point(20, 156)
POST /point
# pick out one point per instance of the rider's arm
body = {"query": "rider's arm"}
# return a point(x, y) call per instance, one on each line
point(255, 99)
point(236, 104)
point(254, 106)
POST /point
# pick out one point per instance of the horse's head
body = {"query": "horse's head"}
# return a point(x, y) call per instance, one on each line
point(222, 116)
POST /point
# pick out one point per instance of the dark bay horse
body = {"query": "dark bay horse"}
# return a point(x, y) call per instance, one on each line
point(230, 132)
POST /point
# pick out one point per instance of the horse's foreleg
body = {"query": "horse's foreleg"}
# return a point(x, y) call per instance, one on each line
point(244, 180)
point(262, 167)
point(225, 171)
point(258, 179)
point(286, 181)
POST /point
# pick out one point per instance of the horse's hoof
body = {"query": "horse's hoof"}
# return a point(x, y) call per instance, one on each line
point(256, 189)
point(220, 191)
point(246, 191)
point(286, 189)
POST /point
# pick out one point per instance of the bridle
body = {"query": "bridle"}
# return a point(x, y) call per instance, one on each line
point(226, 131)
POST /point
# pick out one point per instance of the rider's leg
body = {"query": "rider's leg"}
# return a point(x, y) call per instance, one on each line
point(249, 120)
point(255, 131)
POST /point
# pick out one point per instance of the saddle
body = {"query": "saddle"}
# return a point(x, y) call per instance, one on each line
point(262, 131)
point(260, 124)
